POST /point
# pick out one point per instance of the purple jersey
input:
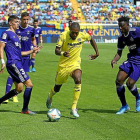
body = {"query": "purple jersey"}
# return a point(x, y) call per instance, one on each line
point(25, 35)
point(12, 46)
point(132, 40)
point(38, 32)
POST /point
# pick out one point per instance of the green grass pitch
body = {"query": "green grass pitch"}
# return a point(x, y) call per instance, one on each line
point(97, 105)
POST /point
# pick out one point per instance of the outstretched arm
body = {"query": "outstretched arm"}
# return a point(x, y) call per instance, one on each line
point(116, 58)
point(35, 49)
point(2, 45)
point(94, 45)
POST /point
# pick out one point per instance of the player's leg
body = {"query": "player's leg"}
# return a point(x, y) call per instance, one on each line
point(33, 62)
point(9, 84)
point(53, 91)
point(121, 77)
point(26, 97)
point(134, 76)
point(17, 90)
point(8, 88)
point(76, 75)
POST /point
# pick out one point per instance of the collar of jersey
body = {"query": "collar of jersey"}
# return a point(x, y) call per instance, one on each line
point(22, 27)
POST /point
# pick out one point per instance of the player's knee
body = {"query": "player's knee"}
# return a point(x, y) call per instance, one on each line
point(77, 80)
point(118, 82)
point(130, 85)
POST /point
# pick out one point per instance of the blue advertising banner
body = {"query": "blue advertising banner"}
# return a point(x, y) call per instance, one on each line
point(105, 35)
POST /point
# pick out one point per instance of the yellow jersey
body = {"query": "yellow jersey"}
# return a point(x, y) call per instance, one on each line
point(74, 47)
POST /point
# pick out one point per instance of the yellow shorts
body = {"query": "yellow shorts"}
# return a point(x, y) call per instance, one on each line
point(63, 73)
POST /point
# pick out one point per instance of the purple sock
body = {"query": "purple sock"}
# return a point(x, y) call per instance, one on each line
point(121, 94)
point(8, 95)
point(26, 96)
point(9, 84)
point(32, 62)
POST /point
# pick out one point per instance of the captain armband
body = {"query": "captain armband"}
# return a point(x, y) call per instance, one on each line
point(2, 61)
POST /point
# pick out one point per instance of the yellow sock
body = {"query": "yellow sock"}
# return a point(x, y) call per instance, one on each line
point(77, 91)
point(52, 93)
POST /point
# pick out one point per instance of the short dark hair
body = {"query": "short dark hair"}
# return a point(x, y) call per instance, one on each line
point(24, 14)
point(35, 20)
point(12, 17)
point(75, 25)
point(123, 18)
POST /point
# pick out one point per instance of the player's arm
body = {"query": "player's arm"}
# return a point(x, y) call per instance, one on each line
point(34, 41)
point(41, 40)
point(35, 50)
point(2, 45)
point(116, 58)
point(62, 53)
point(94, 45)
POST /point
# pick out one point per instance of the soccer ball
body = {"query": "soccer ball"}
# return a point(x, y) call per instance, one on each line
point(53, 114)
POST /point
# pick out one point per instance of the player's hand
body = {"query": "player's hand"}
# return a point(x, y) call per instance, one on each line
point(113, 62)
point(66, 54)
point(35, 49)
point(93, 56)
point(2, 68)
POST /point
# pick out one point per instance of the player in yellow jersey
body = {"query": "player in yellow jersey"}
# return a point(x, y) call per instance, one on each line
point(69, 46)
point(68, 27)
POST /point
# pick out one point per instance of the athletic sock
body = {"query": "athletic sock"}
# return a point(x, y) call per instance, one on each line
point(121, 94)
point(26, 96)
point(9, 84)
point(77, 91)
point(32, 62)
point(8, 95)
point(134, 91)
point(52, 93)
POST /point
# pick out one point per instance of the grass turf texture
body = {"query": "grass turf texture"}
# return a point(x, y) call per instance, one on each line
point(97, 105)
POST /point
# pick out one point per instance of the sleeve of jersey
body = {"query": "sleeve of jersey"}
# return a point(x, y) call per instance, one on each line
point(4, 37)
point(87, 37)
point(40, 32)
point(60, 41)
point(120, 44)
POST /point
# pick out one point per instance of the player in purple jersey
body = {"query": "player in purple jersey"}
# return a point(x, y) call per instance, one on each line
point(26, 34)
point(129, 69)
point(38, 36)
point(10, 43)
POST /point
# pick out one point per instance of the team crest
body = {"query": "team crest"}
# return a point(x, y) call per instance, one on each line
point(38, 31)
point(28, 32)
point(4, 36)
point(18, 31)
point(131, 39)
point(79, 39)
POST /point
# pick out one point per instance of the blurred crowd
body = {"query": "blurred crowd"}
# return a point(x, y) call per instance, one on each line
point(60, 11)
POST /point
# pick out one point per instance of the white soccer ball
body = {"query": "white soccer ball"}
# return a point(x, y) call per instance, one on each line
point(53, 114)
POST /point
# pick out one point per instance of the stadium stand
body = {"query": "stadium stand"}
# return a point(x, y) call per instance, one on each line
point(60, 11)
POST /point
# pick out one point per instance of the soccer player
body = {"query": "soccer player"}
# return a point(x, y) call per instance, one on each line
point(69, 46)
point(10, 43)
point(130, 69)
point(38, 36)
point(26, 34)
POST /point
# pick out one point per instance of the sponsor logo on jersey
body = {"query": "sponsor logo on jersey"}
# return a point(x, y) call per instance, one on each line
point(24, 38)
point(28, 32)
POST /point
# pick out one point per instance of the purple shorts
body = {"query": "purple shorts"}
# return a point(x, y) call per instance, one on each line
point(131, 69)
point(17, 72)
point(26, 64)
